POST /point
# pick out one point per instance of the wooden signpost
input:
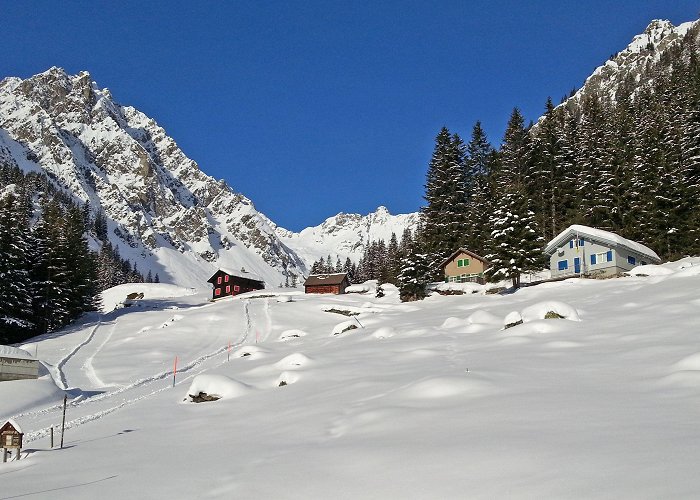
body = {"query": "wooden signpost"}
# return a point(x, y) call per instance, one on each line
point(10, 438)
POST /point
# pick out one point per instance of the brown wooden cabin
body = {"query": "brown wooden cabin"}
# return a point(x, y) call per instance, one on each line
point(227, 283)
point(327, 283)
point(11, 435)
point(464, 266)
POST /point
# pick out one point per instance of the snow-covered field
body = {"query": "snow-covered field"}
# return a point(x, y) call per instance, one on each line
point(421, 400)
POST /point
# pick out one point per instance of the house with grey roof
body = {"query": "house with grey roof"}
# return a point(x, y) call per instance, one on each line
point(586, 251)
point(17, 364)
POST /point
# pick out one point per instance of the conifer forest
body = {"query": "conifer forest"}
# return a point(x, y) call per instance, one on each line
point(624, 159)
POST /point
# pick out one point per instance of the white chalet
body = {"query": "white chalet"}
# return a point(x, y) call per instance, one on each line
point(583, 250)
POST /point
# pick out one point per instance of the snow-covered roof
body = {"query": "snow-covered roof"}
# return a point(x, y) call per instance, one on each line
point(598, 235)
point(241, 274)
point(325, 279)
point(7, 351)
point(13, 424)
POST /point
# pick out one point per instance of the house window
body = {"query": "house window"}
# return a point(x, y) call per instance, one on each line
point(218, 280)
point(571, 244)
point(228, 288)
point(462, 262)
point(236, 288)
point(600, 258)
point(563, 265)
point(217, 291)
point(580, 242)
point(631, 260)
point(226, 278)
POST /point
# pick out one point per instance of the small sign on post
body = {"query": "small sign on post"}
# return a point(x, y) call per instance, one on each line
point(11, 438)
point(174, 370)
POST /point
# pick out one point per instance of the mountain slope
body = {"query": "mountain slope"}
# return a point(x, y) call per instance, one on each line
point(163, 212)
point(347, 235)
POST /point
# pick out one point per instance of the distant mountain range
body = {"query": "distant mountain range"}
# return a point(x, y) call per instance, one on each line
point(169, 217)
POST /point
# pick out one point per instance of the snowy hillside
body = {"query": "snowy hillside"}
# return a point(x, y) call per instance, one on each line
point(346, 235)
point(432, 399)
point(163, 213)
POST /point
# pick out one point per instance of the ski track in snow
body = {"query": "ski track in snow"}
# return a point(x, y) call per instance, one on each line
point(41, 421)
point(62, 382)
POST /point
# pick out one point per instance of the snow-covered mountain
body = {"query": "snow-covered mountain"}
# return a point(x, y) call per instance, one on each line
point(625, 66)
point(347, 235)
point(163, 212)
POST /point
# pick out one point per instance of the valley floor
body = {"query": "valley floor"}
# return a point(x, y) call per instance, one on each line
point(422, 400)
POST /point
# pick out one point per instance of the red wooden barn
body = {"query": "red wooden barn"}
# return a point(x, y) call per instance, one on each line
point(227, 282)
point(326, 283)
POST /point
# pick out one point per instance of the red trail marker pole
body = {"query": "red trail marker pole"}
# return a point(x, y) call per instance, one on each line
point(228, 353)
point(174, 371)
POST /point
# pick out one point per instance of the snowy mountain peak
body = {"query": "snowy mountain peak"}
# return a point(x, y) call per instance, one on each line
point(347, 235)
point(163, 213)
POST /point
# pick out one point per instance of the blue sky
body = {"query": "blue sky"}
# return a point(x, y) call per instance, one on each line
point(311, 108)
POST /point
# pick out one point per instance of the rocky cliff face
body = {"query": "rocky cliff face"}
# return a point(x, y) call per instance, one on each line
point(626, 66)
point(163, 212)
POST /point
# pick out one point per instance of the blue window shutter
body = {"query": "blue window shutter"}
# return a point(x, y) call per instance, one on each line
point(610, 256)
point(580, 242)
point(563, 265)
point(592, 258)
point(571, 244)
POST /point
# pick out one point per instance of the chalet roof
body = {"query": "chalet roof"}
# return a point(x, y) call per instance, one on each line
point(238, 274)
point(468, 252)
point(325, 279)
point(7, 351)
point(13, 424)
point(600, 235)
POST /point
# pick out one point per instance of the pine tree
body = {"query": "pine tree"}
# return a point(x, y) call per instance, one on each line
point(515, 239)
point(16, 322)
point(445, 192)
point(479, 161)
point(413, 276)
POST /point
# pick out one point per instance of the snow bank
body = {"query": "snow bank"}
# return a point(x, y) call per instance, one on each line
point(363, 288)
point(483, 318)
point(218, 385)
point(344, 327)
point(466, 288)
point(114, 297)
point(650, 270)
point(292, 334)
point(540, 310)
point(384, 332)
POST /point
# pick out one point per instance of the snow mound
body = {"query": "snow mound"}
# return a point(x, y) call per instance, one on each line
point(292, 334)
point(286, 378)
point(250, 352)
point(293, 362)
point(218, 385)
point(284, 298)
point(384, 332)
point(540, 310)
point(688, 271)
point(512, 318)
point(115, 296)
point(691, 362)
point(465, 288)
point(445, 387)
point(483, 318)
point(452, 322)
point(363, 288)
point(344, 327)
point(650, 270)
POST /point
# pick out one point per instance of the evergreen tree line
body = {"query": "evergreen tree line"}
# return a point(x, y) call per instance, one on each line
point(48, 274)
point(630, 165)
